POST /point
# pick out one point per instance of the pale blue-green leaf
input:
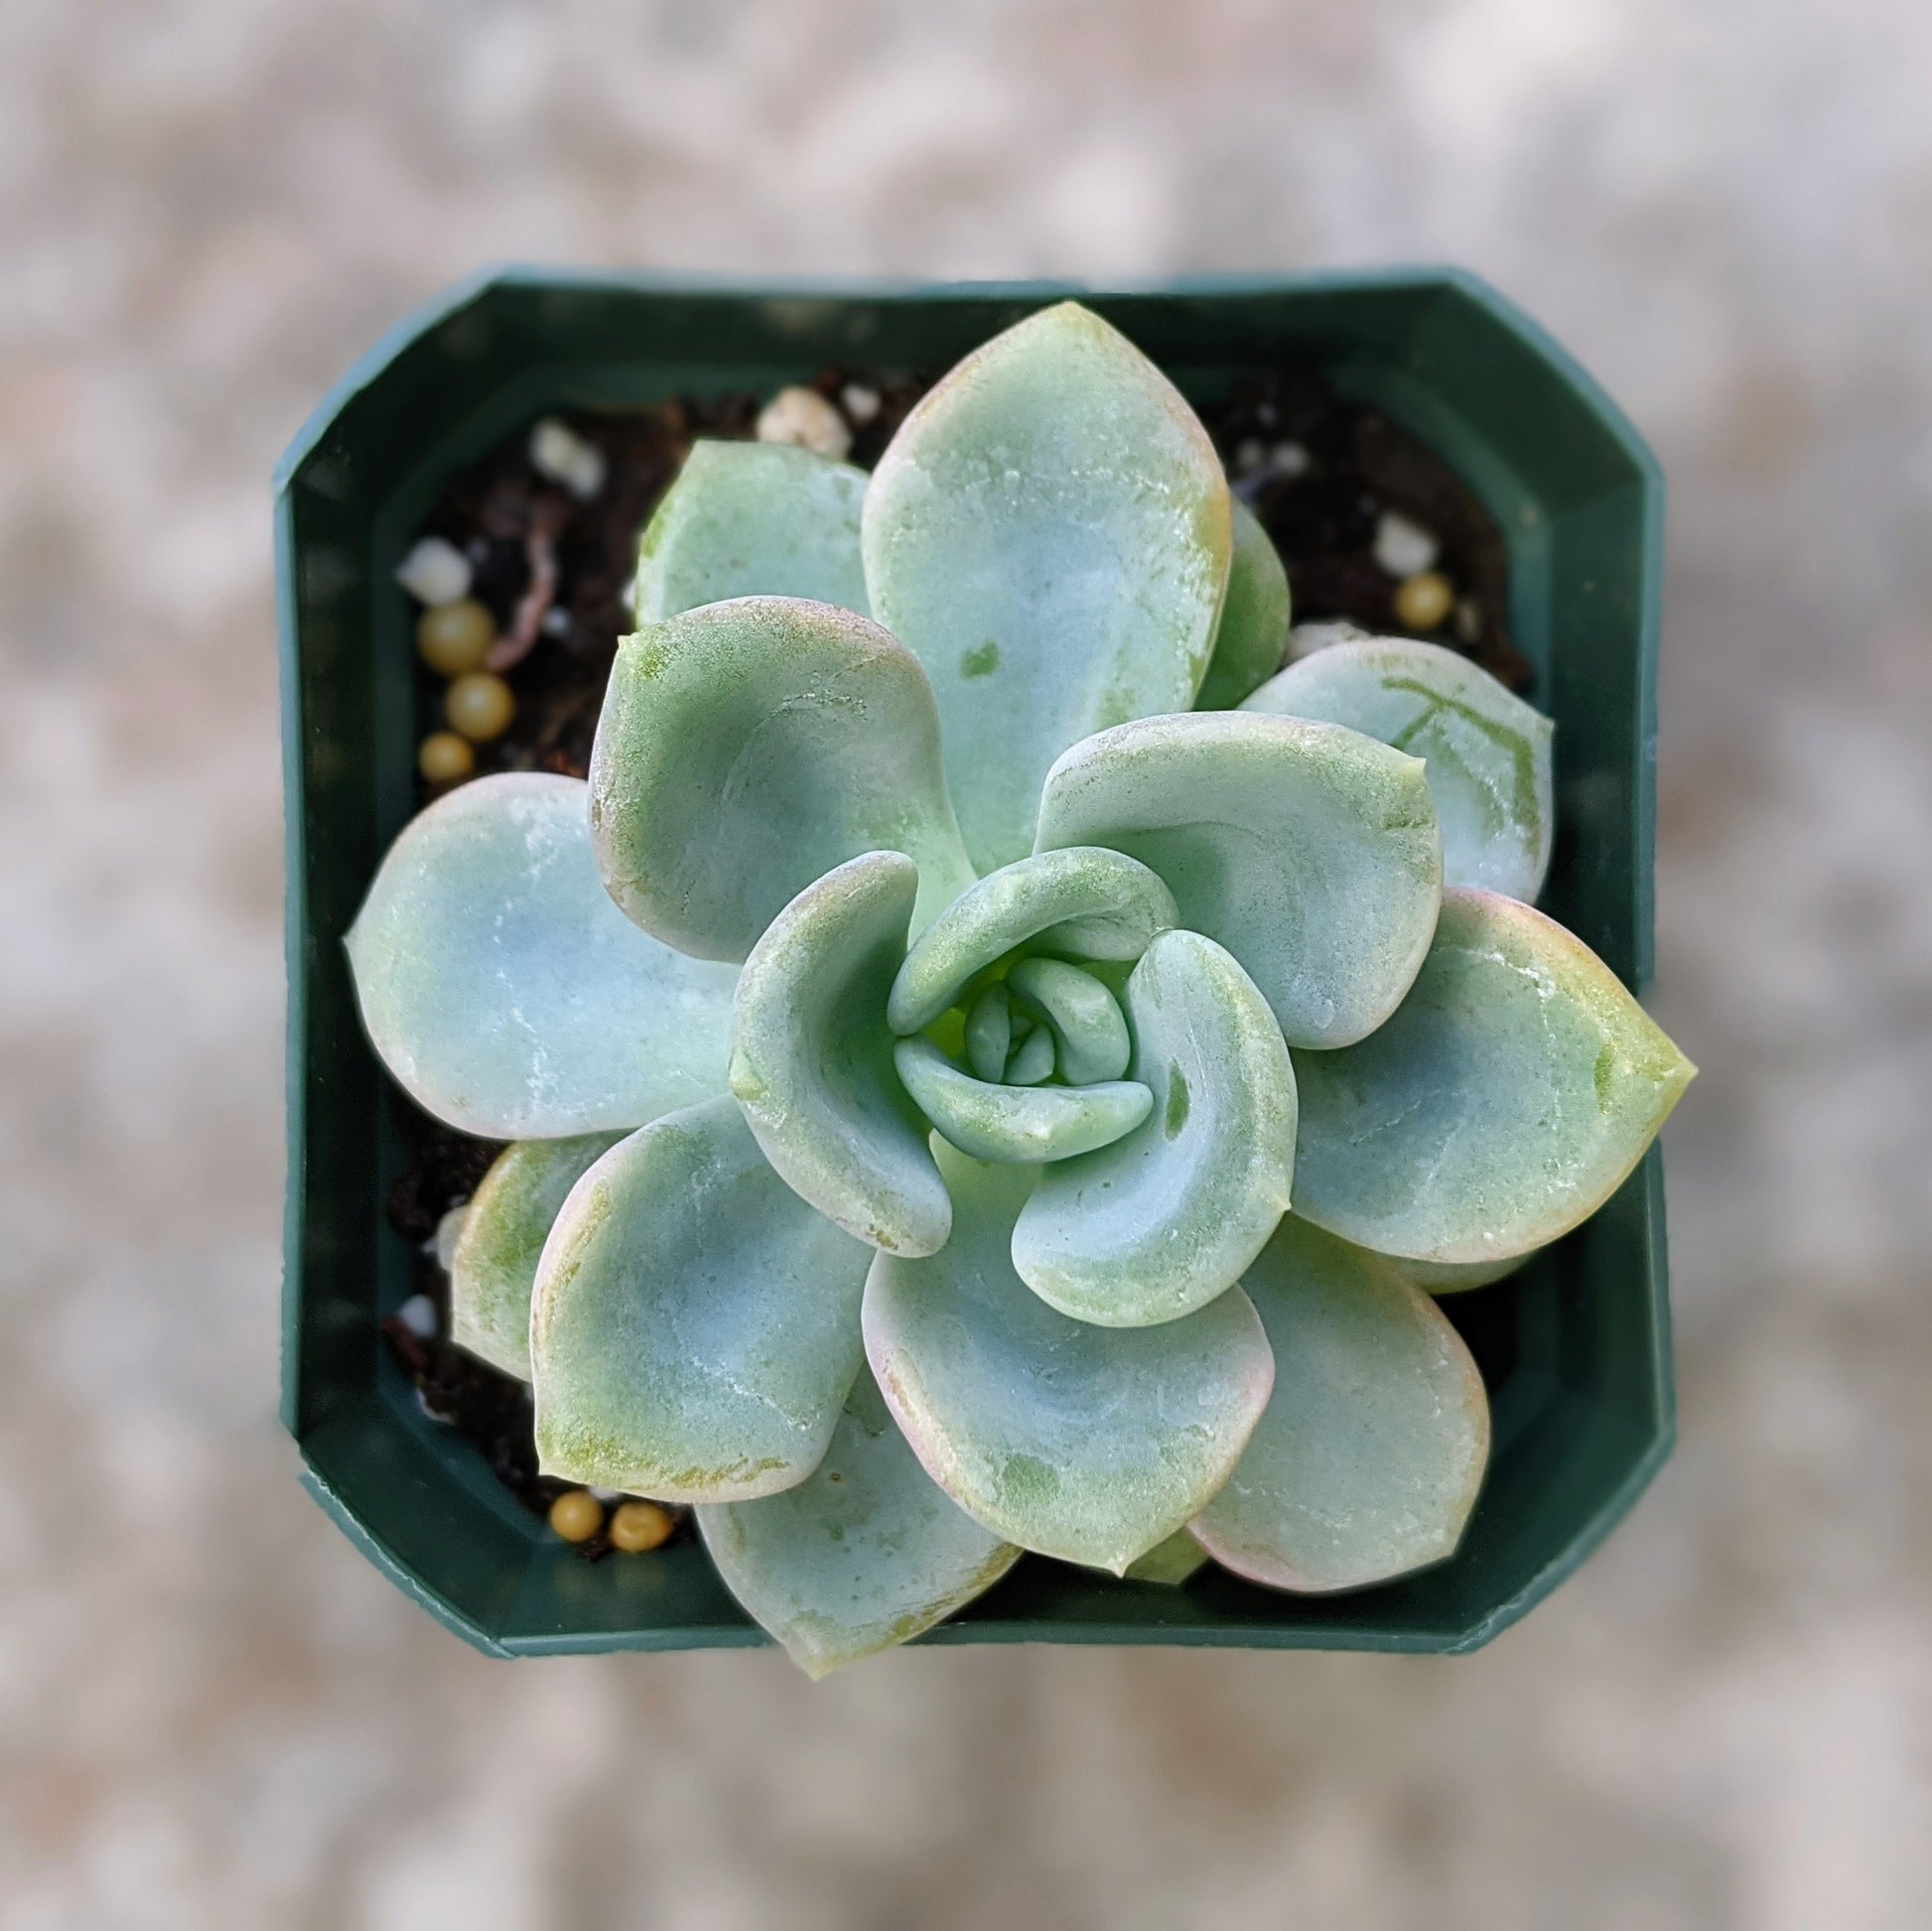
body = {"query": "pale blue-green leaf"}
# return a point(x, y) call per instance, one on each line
point(1086, 902)
point(1028, 1124)
point(694, 1326)
point(1440, 1277)
point(504, 991)
point(1162, 1221)
point(1502, 1105)
point(494, 1265)
point(746, 748)
point(1089, 1029)
point(753, 520)
point(1051, 532)
point(1309, 851)
point(1451, 1277)
point(1304, 640)
point(1174, 1562)
point(811, 1059)
point(1487, 752)
point(1091, 1444)
point(1367, 1463)
point(1252, 637)
point(866, 1553)
point(989, 1031)
point(1032, 1058)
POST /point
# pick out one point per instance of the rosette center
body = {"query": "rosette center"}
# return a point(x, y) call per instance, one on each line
point(1008, 973)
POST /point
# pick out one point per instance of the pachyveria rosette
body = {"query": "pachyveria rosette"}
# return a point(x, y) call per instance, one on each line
point(968, 945)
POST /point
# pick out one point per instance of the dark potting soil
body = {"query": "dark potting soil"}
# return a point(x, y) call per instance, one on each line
point(1317, 469)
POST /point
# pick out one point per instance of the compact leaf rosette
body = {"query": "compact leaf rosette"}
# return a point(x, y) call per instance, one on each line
point(915, 1035)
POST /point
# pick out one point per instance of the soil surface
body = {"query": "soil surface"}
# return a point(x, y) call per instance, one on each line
point(1317, 471)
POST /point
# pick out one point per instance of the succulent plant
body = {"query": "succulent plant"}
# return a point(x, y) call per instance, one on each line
point(916, 1030)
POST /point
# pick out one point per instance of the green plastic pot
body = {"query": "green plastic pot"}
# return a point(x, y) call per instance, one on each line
point(1575, 1348)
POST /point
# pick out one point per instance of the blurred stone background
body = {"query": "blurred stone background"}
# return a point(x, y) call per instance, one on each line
point(211, 1711)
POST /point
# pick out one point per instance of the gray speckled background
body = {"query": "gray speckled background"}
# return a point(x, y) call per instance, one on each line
point(213, 1712)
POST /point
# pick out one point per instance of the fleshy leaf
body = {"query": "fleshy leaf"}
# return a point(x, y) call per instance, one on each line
point(866, 1553)
point(1026, 1123)
point(1032, 1058)
point(1089, 1030)
point(1440, 1277)
point(1252, 639)
point(753, 520)
point(494, 1265)
point(1091, 1444)
point(1304, 640)
point(1162, 1221)
point(1096, 903)
point(1051, 532)
point(1309, 851)
point(746, 748)
point(811, 1059)
point(1453, 1277)
point(1174, 1562)
point(1367, 1463)
point(694, 1328)
point(1487, 752)
point(989, 1033)
point(504, 991)
point(1502, 1106)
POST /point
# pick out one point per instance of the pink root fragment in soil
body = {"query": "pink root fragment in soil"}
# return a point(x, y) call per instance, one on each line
point(527, 626)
